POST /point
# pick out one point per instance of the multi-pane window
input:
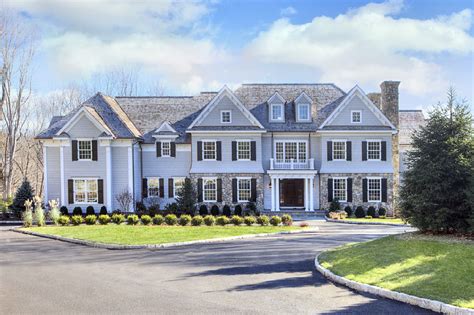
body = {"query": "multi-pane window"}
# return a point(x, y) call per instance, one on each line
point(209, 189)
point(85, 191)
point(178, 185)
point(287, 151)
point(153, 187)
point(165, 148)
point(374, 189)
point(303, 112)
point(356, 116)
point(340, 189)
point(244, 189)
point(339, 150)
point(243, 150)
point(226, 116)
point(84, 149)
point(277, 111)
point(208, 150)
point(373, 150)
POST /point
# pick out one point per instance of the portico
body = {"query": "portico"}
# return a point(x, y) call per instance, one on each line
point(292, 189)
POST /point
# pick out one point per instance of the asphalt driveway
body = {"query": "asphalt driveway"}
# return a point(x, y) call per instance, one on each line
point(264, 275)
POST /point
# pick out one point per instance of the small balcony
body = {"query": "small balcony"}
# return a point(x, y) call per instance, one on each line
point(292, 164)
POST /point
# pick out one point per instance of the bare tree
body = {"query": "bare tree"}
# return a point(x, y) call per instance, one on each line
point(125, 200)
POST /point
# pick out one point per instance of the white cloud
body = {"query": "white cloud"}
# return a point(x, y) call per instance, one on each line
point(288, 11)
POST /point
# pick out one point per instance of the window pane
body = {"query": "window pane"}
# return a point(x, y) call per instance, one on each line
point(209, 150)
point(374, 189)
point(225, 117)
point(290, 151)
point(210, 190)
point(303, 111)
point(243, 150)
point(302, 151)
point(84, 149)
point(244, 189)
point(339, 150)
point(355, 117)
point(178, 185)
point(373, 150)
point(339, 189)
point(277, 112)
point(165, 149)
point(279, 152)
point(153, 187)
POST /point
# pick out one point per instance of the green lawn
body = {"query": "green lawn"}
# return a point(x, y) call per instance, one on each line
point(431, 267)
point(386, 220)
point(139, 235)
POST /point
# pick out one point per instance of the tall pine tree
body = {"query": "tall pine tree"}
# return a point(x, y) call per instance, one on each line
point(186, 197)
point(23, 193)
point(437, 190)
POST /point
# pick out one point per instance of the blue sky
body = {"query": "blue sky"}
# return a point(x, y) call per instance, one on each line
point(192, 46)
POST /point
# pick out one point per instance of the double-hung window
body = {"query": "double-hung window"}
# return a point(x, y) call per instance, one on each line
point(303, 112)
point(340, 189)
point(178, 183)
point(339, 150)
point(286, 151)
point(276, 112)
point(209, 189)
point(374, 189)
point(85, 191)
point(373, 150)
point(153, 187)
point(356, 116)
point(84, 150)
point(243, 150)
point(165, 149)
point(209, 150)
point(244, 189)
point(226, 117)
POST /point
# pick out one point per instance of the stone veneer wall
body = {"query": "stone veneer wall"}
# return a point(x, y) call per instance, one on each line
point(357, 191)
point(227, 188)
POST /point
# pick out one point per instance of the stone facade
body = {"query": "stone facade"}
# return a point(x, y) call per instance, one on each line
point(357, 198)
point(227, 188)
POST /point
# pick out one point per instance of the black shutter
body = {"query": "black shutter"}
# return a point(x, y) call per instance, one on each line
point(158, 149)
point(384, 190)
point(349, 190)
point(144, 188)
point(170, 188)
point(364, 190)
point(70, 191)
point(234, 150)
point(384, 151)
point(329, 144)
point(74, 150)
point(219, 190)
point(199, 152)
point(100, 190)
point(219, 150)
point(364, 150)
point(162, 188)
point(349, 150)
point(173, 149)
point(199, 189)
point(253, 196)
point(234, 190)
point(329, 189)
point(253, 150)
point(94, 150)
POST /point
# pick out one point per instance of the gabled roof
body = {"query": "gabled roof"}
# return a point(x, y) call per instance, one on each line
point(303, 95)
point(277, 96)
point(165, 129)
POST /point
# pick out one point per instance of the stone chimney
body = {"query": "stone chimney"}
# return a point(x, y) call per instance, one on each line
point(389, 100)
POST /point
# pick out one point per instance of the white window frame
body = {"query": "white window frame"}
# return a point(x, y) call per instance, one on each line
point(230, 116)
point(352, 116)
point(334, 189)
point(175, 179)
point(204, 179)
point(157, 187)
point(380, 149)
point(368, 189)
point(297, 150)
point(163, 149)
point(345, 149)
point(238, 189)
point(79, 150)
point(215, 150)
point(282, 112)
point(86, 191)
point(308, 107)
point(250, 149)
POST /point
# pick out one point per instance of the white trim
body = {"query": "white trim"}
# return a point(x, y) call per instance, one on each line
point(311, 194)
point(352, 117)
point(78, 150)
point(291, 141)
point(230, 116)
point(345, 149)
point(380, 150)
point(282, 106)
point(169, 148)
point(167, 125)
point(77, 116)
point(61, 168)
point(226, 131)
point(174, 185)
point(108, 176)
point(86, 202)
point(130, 172)
point(303, 94)
point(148, 186)
point(215, 150)
point(333, 190)
point(45, 176)
point(203, 191)
point(368, 194)
point(238, 190)
point(276, 94)
point(298, 119)
point(357, 131)
point(237, 150)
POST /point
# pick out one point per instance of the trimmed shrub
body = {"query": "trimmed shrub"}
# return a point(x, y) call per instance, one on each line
point(90, 210)
point(140, 208)
point(368, 217)
point(203, 210)
point(197, 220)
point(287, 220)
point(348, 210)
point(64, 210)
point(118, 218)
point(77, 211)
point(215, 210)
point(146, 219)
point(209, 220)
point(91, 219)
point(226, 211)
point(133, 219)
point(334, 205)
point(184, 220)
point(359, 213)
point(222, 220)
point(236, 220)
point(104, 219)
point(117, 211)
point(249, 220)
point(153, 210)
point(263, 220)
point(64, 220)
point(275, 220)
point(382, 212)
point(103, 210)
point(171, 219)
point(76, 219)
point(371, 211)
point(158, 219)
point(382, 217)
point(238, 210)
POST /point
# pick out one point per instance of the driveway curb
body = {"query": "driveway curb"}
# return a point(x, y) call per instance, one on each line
point(365, 223)
point(432, 305)
point(157, 246)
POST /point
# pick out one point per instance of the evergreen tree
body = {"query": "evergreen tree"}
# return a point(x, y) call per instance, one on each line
point(186, 197)
point(437, 189)
point(23, 193)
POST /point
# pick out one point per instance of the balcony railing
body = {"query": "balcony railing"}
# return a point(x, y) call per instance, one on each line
point(292, 164)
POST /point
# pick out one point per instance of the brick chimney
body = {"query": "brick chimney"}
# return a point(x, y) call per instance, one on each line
point(389, 100)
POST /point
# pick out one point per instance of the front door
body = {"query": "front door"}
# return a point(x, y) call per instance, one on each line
point(292, 193)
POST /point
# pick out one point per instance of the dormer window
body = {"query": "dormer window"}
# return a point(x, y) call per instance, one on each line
point(84, 150)
point(303, 112)
point(277, 112)
point(356, 116)
point(226, 117)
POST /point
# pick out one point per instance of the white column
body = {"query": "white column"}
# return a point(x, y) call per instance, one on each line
point(108, 175)
point(272, 181)
point(61, 169)
point(306, 195)
point(130, 173)
point(277, 194)
point(311, 194)
point(45, 176)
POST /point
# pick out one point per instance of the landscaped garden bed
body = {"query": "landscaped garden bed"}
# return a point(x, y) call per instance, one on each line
point(387, 220)
point(433, 267)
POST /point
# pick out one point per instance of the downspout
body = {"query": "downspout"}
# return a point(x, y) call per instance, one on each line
point(141, 170)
